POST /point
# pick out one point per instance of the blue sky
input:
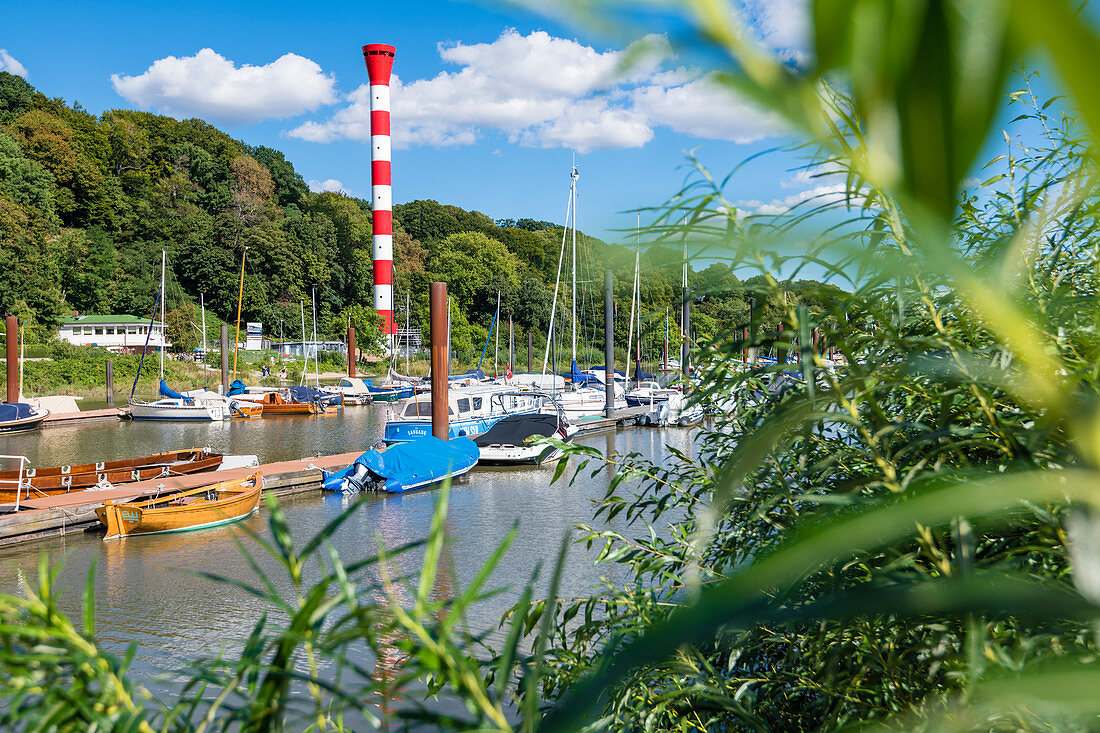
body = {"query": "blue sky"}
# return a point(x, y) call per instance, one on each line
point(490, 102)
point(487, 159)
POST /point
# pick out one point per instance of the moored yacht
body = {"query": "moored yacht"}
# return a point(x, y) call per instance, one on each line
point(472, 411)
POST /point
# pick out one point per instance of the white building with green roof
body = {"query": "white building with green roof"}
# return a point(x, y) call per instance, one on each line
point(116, 333)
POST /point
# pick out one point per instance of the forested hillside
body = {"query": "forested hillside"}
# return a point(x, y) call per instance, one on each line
point(87, 203)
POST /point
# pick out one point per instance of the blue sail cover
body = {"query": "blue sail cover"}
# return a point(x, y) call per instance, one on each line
point(576, 376)
point(15, 411)
point(307, 394)
point(237, 387)
point(167, 391)
point(412, 465)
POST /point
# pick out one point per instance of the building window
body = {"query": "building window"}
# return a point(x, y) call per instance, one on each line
point(88, 330)
point(110, 330)
point(99, 330)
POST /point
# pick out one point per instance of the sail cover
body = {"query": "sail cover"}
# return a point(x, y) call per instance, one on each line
point(237, 387)
point(307, 394)
point(576, 376)
point(167, 391)
point(516, 429)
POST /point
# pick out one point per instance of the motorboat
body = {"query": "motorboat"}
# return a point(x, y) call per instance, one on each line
point(19, 417)
point(406, 466)
point(509, 442)
point(471, 410)
point(353, 390)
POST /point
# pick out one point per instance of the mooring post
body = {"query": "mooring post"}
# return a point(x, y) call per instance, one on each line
point(684, 349)
point(752, 332)
point(511, 345)
point(780, 352)
point(529, 342)
point(351, 351)
point(608, 345)
point(110, 383)
point(12, 335)
point(225, 358)
point(441, 366)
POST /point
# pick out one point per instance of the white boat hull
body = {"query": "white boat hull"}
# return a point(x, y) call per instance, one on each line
point(178, 410)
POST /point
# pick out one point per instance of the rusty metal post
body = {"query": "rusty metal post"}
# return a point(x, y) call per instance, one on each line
point(13, 358)
point(110, 383)
point(441, 366)
point(225, 358)
point(351, 351)
point(511, 345)
point(608, 345)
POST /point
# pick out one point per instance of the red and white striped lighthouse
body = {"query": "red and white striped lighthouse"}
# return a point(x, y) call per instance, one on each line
point(379, 58)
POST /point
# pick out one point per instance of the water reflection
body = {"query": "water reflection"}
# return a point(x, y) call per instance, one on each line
point(149, 589)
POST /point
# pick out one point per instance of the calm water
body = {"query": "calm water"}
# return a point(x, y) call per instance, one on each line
point(143, 595)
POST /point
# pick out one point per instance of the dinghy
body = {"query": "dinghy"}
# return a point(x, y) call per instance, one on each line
point(206, 506)
point(405, 466)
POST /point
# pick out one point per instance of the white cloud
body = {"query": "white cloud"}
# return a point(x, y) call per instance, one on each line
point(821, 195)
point(703, 109)
point(542, 91)
point(210, 86)
point(329, 184)
point(782, 25)
point(11, 65)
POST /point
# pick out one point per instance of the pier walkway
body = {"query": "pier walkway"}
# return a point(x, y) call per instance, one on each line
point(75, 511)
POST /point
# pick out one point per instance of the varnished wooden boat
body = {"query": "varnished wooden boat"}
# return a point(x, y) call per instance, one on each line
point(206, 506)
point(38, 482)
point(274, 404)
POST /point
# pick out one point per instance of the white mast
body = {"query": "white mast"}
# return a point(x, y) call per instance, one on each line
point(496, 344)
point(202, 304)
point(316, 363)
point(573, 198)
point(557, 282)
point(305, 354)
point(633, 297)
point(163, 333)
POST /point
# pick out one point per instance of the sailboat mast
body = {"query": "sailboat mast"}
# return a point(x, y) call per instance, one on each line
point(316, 362)
point(163, 331)
point(305, 354)
point(573, 297)
point(665, 351)
point(240, 298)
point(202, 304)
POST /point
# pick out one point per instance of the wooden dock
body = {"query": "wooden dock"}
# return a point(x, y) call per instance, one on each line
point(627, 416)
point(64, 419)
point(62, 514)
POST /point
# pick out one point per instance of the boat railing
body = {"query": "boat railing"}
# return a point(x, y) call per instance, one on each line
point(21, 481)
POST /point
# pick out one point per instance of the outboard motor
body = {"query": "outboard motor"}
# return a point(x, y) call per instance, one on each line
point(356, 481)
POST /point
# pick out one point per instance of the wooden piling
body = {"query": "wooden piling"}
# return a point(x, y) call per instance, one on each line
point(440, 355)
point(110, 383)
point(225, 358)
point(12, 334)
point(530, 341)
point(608, 345)
point(351, 351)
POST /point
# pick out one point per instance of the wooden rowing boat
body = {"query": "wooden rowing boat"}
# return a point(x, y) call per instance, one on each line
point(38, 482)
point(274, 404)
point(206, 506)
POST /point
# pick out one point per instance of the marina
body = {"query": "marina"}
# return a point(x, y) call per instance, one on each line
point(142, 582)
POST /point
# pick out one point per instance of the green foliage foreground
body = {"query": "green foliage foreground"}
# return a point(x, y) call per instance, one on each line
point(912, 542)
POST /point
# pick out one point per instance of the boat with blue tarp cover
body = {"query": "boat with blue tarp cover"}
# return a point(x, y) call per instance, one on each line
point(16, 417)
point(405, 466)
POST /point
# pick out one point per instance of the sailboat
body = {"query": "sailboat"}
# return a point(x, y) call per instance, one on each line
point(583, 398)
point(173, 406)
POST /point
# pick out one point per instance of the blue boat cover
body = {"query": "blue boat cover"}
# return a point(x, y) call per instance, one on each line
point(307, 394)
point(167, 391)
point(15, 411)
point(412, 465)
point(237, 387)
